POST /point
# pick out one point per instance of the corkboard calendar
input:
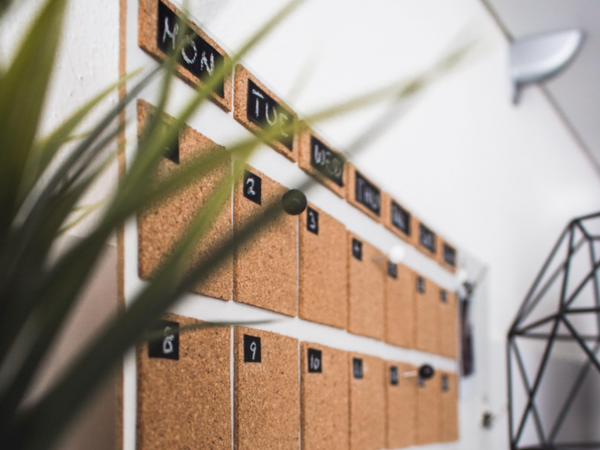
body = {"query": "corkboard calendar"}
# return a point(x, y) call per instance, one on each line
point(401, 405)
point(400, 305)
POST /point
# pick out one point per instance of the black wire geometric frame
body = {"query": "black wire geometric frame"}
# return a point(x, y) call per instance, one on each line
point(561, 308)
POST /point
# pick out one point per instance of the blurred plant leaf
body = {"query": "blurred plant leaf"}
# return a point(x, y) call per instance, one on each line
point(22, 95)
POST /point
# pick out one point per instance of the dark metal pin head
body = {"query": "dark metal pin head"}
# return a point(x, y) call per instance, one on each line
point(294, 202)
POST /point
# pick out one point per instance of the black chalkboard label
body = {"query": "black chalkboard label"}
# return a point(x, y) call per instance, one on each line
point(394, 378)
point(171, 151)
point(449, 254)
point(252, 187)
point(421, 285)
point(421, 382)
point(426, 238)
point(400, 218)
point(392, 270)
point(315, 361)
point(265, 112)
point(357, 249)
point(167, 345)
point(443, 295)
point(197, 55)
point(445, 383)
point(312, 220)
point(367, 194)
point(251, 349)
point(327, 162)
point(357, 368)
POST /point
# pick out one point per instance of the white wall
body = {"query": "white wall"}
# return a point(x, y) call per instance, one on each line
point(499, 181)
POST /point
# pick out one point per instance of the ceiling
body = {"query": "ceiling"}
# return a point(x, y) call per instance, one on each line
point(576, 92)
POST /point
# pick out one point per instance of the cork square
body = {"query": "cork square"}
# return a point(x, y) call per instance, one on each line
point(429, 404)
point(449, 415)
point(367, 402)
point(161, 225)
point(448, 323)
point(426, 240)
point(447, 256)
point(266, 394)
point(324, 394)
point(401, 405)
point(185, 402)
point(366, 294)
point(323, 269)
point(400, 305)
point(319, 159)
point(259, 109)
point(426, 314)
point(265, 264)
point(397, 218)
point(200, 60)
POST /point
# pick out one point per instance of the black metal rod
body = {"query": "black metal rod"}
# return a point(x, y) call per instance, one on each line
point(538, 378)
point(591, 356)
point(546, 286)
point(536, 415)
point(534, 325)
point(596, 287)
point(558, 337)
point(540, 275)
point(509, 344)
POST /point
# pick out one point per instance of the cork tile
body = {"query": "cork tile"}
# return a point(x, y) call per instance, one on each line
point(429, 403)
point(367, 402)
point(401, 405)
point(397, 218)
point(160, 226)
point(426, 314)
point(266, 264)
point(426, 240)
point(400, 305)
point(266, 391)
point(323, 269)
point(322, 161)
point(447, 256)
point(200, 60)
point(447, 324)
point(324, 391)
point(184, 389)
point(258, 109)
point(449, 408)
point(362, 193)
point(366, 272)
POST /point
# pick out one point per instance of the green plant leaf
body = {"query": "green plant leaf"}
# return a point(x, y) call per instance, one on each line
point(22, 95)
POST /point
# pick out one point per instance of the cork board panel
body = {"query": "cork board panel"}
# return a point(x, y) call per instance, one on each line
point(426, 314)
point(401, 405)
point(205, 57)
point(160, 226)
point(397, 218)
point(400, 306)
point(321, 160)
point(324, 392)
point(448, 324)
point(447, 255)
point(425, 239)
point(429, 403)
point(449, 414)
point(266, 392)
point(266, 264)
point(362, 193)
point(184, 402)
point(367, 402)
point(323, 269)
point(256, 106)
point(366, 296)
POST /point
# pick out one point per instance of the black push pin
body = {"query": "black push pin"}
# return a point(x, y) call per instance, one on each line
point(294, 202)
point(425, 372)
